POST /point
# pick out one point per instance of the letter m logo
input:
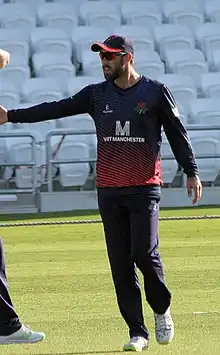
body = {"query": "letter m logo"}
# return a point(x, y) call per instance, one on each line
point(122, 131)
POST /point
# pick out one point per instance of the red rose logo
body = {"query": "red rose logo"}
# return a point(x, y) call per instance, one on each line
point(141, 108)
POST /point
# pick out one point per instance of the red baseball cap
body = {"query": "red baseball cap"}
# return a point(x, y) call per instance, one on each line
point(114, 44)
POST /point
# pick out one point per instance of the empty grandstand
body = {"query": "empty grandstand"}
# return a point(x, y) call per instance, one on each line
point(176, 42)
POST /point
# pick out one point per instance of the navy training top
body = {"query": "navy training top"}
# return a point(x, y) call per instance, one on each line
point(128, 125)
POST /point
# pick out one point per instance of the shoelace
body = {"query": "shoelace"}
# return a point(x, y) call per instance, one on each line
point(27, 327)
point(163, 321)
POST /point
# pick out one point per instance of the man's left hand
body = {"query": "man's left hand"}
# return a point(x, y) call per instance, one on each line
point(194, 184)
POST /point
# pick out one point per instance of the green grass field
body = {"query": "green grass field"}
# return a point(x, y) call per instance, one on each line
point(60, 283)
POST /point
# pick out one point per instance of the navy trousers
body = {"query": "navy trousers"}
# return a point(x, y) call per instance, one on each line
point(130, 223)
point(9, 320)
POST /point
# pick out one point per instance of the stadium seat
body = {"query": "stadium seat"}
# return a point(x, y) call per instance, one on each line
point(75, 174)
point(181, 86)
point(18, 69)
point(188, 13)
point(17, 48)
point(15, 74)
point(45, 39)
point(74, 4)
point(170, 37)
point(18, 60)
point(6, 86)
point(23, 175)
point(42, 129)
point(79, 123)
point(142, 39)
point(40, 89)
point(194, 133)
point(205, 111)
point(137, 13)
point(163, 2)
point(13, 34)
point(210, 85)
point(101, 13)
point(31, 5)
point(4, 129)
point(14, 16)
point(183, 113)
point(215, 60)
point(19, 150)
point(169, 166)
point(78, 83)
point(57, 15)
point(208, 38)
point(15, 41)
point(189, 62)
point(83, 37)
point(212, 10)
point(91, 64)
point(148, 63)
point(9, 99)
point(208, 168)
point(55, 66)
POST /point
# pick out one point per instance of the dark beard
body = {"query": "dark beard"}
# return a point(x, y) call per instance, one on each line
point(114, 75)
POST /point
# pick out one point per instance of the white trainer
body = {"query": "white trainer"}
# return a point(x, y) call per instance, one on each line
point(22, 336)
point(164, 327)
point(136, 344)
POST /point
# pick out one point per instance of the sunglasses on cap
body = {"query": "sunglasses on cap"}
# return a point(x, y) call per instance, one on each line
point(110, 56)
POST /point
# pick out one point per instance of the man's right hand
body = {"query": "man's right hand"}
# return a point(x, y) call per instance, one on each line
point(3, 115)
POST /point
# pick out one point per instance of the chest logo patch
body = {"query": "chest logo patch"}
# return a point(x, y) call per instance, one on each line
point(107, 109)
point(141, 108)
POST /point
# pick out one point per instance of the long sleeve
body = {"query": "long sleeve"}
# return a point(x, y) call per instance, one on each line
point(176, 133)
point(79, 103)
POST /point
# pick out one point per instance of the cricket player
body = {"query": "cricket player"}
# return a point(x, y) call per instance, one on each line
point(129, 111)
point(12, 331)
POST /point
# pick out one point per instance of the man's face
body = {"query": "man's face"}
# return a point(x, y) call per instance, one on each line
point(112, 64)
